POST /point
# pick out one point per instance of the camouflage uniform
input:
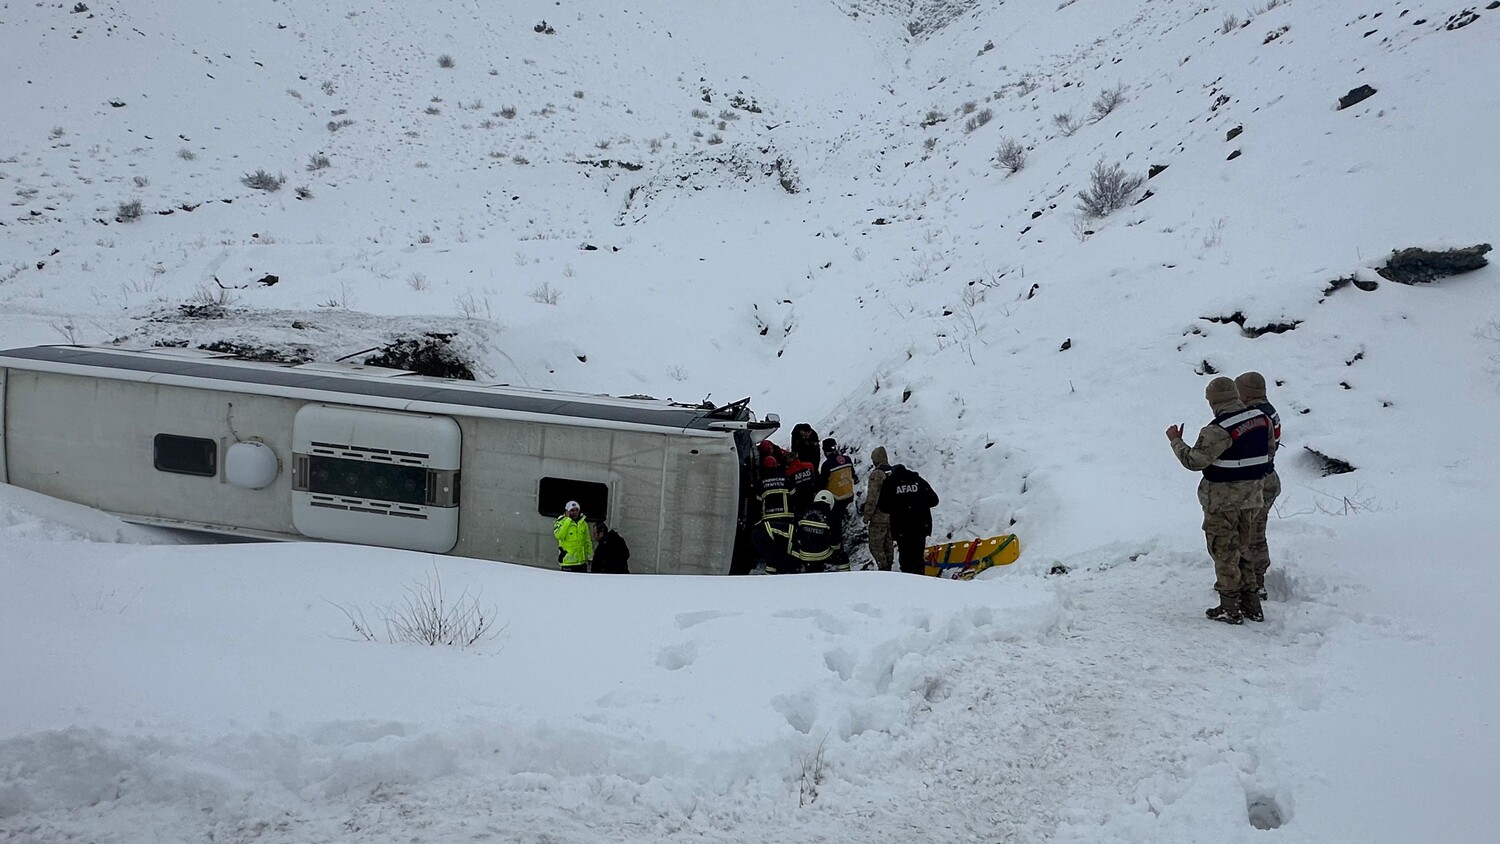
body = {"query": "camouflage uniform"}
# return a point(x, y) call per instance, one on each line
point(1229, 507)
point(882, 548)
point(1252, 387)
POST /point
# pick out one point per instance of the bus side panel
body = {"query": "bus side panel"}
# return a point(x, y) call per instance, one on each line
point(91, 440)
point(4, 477)
point(673, 508)
point(702, 494)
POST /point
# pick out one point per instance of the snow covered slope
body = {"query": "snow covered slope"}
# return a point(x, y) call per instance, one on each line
point(801, 201)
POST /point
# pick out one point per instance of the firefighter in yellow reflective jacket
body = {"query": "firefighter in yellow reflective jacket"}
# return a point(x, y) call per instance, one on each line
point(815, 543)
point(772, 535)
point(575, 547)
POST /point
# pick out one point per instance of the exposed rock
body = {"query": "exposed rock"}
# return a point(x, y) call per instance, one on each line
point(1462, 19)
point(1420, 266)
point(1156, 169)
point(1234, 133)
point(1355, 96)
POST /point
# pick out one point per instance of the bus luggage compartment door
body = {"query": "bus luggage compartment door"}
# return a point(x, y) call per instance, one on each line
point(376, 477)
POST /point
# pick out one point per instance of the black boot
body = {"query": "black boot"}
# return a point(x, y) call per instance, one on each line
point(1228, 610)
point(1250, 605)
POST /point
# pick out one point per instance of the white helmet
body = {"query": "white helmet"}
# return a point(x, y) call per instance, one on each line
point(825, 498)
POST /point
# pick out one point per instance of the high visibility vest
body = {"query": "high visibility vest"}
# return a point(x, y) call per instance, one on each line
point(841, 479)
point(1248, 457)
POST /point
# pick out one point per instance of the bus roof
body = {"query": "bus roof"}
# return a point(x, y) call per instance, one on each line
point(356, 380)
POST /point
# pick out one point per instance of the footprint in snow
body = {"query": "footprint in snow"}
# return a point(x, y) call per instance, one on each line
point(678, 656)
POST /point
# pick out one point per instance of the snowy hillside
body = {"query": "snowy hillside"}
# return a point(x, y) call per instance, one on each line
point(809, 202)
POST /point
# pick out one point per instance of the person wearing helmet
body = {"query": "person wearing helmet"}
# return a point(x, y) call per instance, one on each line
point(814, 542)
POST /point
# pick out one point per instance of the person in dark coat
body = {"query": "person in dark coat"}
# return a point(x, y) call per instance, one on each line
point(802, 478)
point(814, 541)
point(611, 554)
point(805, 443)
point(909, 500)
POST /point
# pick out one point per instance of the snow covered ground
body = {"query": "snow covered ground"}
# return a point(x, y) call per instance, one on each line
point(851, 254)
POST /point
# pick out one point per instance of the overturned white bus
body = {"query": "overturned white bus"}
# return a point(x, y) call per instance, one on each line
point(351, 453)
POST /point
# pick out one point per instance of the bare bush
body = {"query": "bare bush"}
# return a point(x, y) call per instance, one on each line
point(1230, 24)
point(186, 154)
point(1067, 124)
point(1011, 155)
point(715, 138)
point(933, 118)
point(261, 180)
point(811, 771)
point(427, 616)
point(1109, 189)
point(509, 112)
point(978, 120)
point(1107, 101)
point(699, 113)
point(546, 294)
point(472, 306)
point(417, 281)
point(445, 61)
point(969, 107)
point(578, 95)
point(57, 132)
point(328, 87)
point(317, 162)
point(729, 114)
point(432, 109)
point(335, 125)
point(140, 181)
point(303, 192)
point(129, 212)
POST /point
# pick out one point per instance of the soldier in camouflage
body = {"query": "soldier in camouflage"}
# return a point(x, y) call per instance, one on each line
point(1252, 387)
point(1233, 453)
point(882, 547)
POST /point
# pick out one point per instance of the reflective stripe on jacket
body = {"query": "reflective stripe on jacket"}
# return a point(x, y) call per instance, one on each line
point(1270, 410)
point(813, 538)
point(574, 539)
point(1248, 457)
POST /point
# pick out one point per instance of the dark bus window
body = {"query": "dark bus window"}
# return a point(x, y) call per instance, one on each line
point(185, 455)
point(553, 493)
point(374, 481)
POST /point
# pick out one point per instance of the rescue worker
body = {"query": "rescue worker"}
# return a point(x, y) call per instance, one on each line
point(814, 541)
point(839, 478)
point(772, 535)
point(574, 545)
point(837, 475)
point(802, 476)
point(908, 499)
point(882, 550)
point(1252, 387)
point(1233, 453)
point(805, 442)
